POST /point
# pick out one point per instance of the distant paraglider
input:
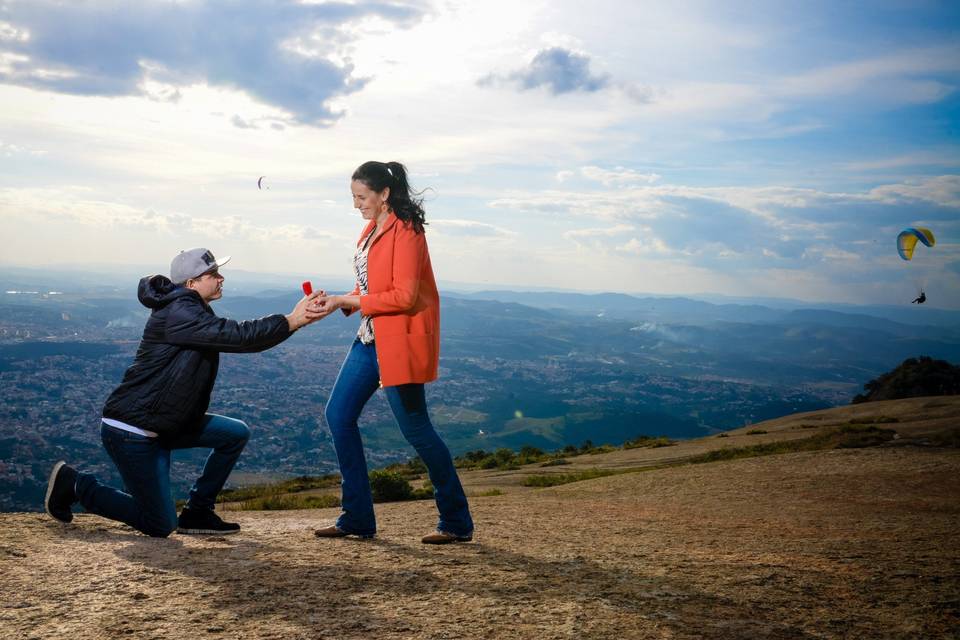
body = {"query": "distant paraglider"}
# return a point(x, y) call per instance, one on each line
point(260, 184)
point(906, 243)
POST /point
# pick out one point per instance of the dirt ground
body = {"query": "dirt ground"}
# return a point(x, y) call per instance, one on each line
point(859, 543)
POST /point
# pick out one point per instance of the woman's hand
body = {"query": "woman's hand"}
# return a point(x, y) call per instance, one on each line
point(329, 304)
point(346, 302)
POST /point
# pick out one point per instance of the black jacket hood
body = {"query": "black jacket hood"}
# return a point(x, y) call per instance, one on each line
point(156, 292)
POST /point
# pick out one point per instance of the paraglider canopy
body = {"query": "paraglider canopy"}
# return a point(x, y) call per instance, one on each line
point(908, 238)
point(260, 182)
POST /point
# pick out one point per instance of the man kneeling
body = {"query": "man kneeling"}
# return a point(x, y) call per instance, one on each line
point(161, 405)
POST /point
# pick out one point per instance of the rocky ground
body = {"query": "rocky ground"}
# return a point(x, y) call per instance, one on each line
point(851, 543)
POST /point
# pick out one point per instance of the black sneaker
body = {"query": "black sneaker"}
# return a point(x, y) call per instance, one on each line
point(61, 492)
point(204, 521)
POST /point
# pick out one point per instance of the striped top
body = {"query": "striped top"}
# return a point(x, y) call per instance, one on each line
point(365, 333)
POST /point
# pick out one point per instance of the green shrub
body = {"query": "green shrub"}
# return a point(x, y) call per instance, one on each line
point(470, 459)
point(502, 458)
point(489, 492)
point(490, 462)
point(409, 469)
point(756, 432)
point(529, 454)
point(423, 493)
point(556, 462)
point(389, 486)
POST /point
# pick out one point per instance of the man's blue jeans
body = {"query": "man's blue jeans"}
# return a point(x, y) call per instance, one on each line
point(144, 465)
point(359, 378)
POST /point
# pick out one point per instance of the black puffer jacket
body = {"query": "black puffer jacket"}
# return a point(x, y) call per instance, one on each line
point(167, 388)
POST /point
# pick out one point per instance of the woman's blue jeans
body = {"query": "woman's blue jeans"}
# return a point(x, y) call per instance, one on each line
point(359, 378)
point(144, 465)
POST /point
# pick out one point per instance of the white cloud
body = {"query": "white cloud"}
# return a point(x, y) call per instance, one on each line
point(10, 149)
point(853, 76)
point(940, 190)
point(10, 33)
point(929, 158)
point(73, 206)
point(615, 230)
point(650, 246)
point(618, 176)
point(469, 228)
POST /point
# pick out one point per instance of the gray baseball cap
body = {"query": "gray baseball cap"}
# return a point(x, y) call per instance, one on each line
point(194, 263)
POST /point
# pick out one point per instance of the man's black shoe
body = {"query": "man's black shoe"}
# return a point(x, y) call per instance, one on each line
point(61, 492)
point(204, 521)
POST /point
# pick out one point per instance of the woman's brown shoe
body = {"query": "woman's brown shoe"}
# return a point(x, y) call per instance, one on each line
point(333, 531)
point(445, 537)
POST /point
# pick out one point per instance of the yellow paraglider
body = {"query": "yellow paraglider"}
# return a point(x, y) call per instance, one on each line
point(908, 239)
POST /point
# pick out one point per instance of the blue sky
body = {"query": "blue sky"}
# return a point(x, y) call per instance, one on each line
point(731, 148)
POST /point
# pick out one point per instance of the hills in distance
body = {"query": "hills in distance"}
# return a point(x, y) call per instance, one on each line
point(517, 368)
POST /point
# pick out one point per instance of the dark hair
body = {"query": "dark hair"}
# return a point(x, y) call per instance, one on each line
point(405, 202)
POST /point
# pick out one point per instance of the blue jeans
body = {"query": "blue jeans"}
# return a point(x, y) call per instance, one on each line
point(144, 465)
point(359, 378)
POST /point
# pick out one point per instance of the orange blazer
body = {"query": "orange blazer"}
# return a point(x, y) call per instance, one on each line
point(404, 303)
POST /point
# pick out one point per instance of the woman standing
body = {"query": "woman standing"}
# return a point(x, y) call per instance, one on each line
point(397, 347)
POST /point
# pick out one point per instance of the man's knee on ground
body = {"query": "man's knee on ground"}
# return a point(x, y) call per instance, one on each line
point(159, 527)
point(159, 533)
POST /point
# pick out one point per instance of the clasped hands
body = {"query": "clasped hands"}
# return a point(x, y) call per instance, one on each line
point(316, 306)
point(324, 305)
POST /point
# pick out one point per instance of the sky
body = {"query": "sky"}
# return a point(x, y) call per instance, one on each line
point(739, 148)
